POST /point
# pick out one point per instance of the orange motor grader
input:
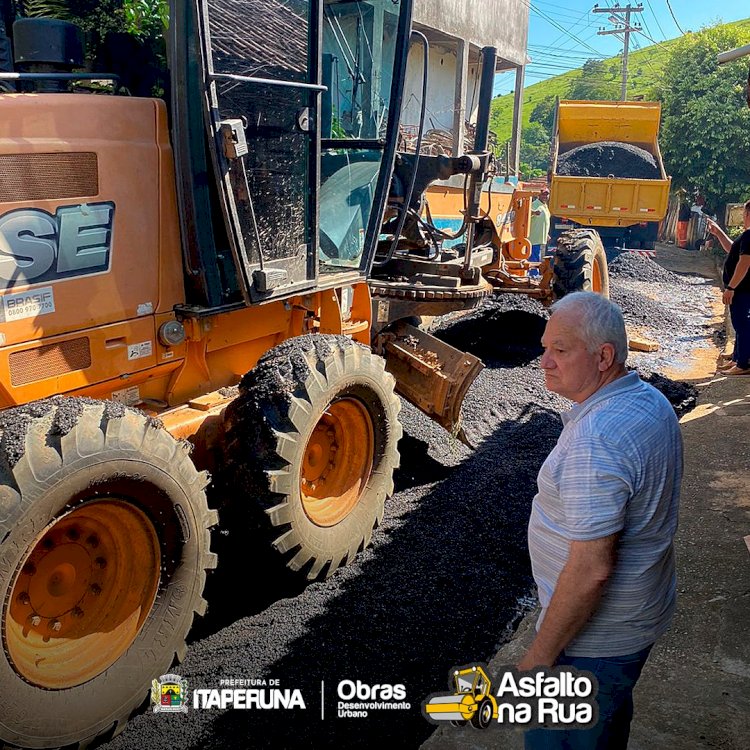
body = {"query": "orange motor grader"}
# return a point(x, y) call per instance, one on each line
point(456, 245)
point(187, 276)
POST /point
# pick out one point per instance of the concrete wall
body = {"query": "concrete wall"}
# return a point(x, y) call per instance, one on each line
point(497, 23)
point(440, 89)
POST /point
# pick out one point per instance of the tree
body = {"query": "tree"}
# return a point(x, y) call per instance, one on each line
point(535, 143)
point(598, 81)
point(705, 136)
point(141, 18)
point(544, 112)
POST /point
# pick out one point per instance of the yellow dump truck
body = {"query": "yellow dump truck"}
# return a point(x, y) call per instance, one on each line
point(625, 210)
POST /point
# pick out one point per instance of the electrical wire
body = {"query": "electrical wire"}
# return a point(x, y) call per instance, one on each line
point(554, 23)
point(656, 18)
point(674, 18)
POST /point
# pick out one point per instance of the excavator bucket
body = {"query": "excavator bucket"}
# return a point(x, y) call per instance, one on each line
point(430, 374)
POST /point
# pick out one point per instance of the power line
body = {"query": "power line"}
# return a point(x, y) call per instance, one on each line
point(674, 18)
point(650, 7)
point(620, 15)
point(577, 21)
point(554, 23)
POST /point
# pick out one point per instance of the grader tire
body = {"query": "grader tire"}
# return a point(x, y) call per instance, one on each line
point(104, 547)
point(579, 264)
point(312, 442)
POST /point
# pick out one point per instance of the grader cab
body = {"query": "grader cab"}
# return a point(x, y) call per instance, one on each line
point(183, 287)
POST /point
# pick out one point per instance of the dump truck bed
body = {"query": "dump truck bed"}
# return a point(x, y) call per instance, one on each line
point(605, 200)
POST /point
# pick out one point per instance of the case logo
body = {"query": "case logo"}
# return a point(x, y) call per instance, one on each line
point(39, 247)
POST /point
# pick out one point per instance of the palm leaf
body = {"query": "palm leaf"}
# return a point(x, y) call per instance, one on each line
point(47, 9)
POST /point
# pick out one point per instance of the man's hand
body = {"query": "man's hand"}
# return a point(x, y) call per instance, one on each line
point(577, 594)
point(727, 296)
point(715, 230)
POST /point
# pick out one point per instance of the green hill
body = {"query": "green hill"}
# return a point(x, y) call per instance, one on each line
point(644, 69)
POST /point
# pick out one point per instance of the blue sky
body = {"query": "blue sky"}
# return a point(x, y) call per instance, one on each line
point(563, 33)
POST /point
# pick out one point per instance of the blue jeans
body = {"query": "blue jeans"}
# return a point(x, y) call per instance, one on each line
point(739, 311)
point(617, 676)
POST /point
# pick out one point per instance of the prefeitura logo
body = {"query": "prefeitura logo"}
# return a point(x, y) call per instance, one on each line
point(169, 694)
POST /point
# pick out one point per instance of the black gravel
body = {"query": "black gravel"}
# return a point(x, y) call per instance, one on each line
point(447, 574)
point(642, 268)
point(640, 310)
point(609, 158)
point(15, 422)
point(683, 396)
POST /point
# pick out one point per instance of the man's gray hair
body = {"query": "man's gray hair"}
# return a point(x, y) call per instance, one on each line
point(600, 321)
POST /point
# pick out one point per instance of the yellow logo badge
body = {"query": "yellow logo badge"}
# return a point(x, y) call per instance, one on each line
point(471, 700)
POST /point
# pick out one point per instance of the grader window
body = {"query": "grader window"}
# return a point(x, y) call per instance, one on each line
point(268, 39)
point(359, 41)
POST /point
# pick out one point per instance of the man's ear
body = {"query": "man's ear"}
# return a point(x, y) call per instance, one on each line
point(606, 357)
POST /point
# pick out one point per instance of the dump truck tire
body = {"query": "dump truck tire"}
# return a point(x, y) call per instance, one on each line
point(579, 264)
point(312, 441)
point(104, 547)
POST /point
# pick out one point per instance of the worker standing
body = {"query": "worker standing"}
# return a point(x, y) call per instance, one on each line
point(736, 278)
point(540, 221)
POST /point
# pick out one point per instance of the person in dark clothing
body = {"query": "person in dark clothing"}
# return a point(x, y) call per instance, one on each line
point(736, 279)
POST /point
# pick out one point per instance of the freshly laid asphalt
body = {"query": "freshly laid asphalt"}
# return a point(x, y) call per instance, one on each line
point(447, 577)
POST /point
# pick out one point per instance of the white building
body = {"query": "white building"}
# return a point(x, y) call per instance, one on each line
point(457, 30)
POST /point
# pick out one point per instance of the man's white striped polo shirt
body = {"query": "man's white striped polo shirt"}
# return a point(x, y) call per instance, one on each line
point(617, 467)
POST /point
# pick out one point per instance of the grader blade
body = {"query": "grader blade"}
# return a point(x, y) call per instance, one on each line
point(431, 374)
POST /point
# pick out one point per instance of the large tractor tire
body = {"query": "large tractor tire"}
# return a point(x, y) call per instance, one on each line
point(104, 547)
point(312, 440)
point(579, 264)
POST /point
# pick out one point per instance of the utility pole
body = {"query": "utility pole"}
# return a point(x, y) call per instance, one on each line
point(620, 15)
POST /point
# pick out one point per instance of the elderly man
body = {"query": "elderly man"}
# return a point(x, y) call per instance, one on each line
point(603, 521)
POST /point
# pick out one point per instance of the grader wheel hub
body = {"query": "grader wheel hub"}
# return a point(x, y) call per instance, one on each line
point(337, 462)
point(83, 593)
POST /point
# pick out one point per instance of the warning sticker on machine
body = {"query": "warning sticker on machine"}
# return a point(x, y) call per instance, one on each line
point(144, 349)
point(28, 304)
point(128, 396)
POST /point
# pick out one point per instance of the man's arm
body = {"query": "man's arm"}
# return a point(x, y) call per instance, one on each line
point(576, 596)
point(743, 266)
point(720, 234)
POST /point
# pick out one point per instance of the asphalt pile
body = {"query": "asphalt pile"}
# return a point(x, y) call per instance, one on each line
point(444, 582)
point(674, 310)
point(642, 268)
point(609, 158)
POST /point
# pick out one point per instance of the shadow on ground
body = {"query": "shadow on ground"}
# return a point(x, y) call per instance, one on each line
point(417, 606)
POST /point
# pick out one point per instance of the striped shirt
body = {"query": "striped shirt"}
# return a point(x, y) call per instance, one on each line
point(616, 467)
